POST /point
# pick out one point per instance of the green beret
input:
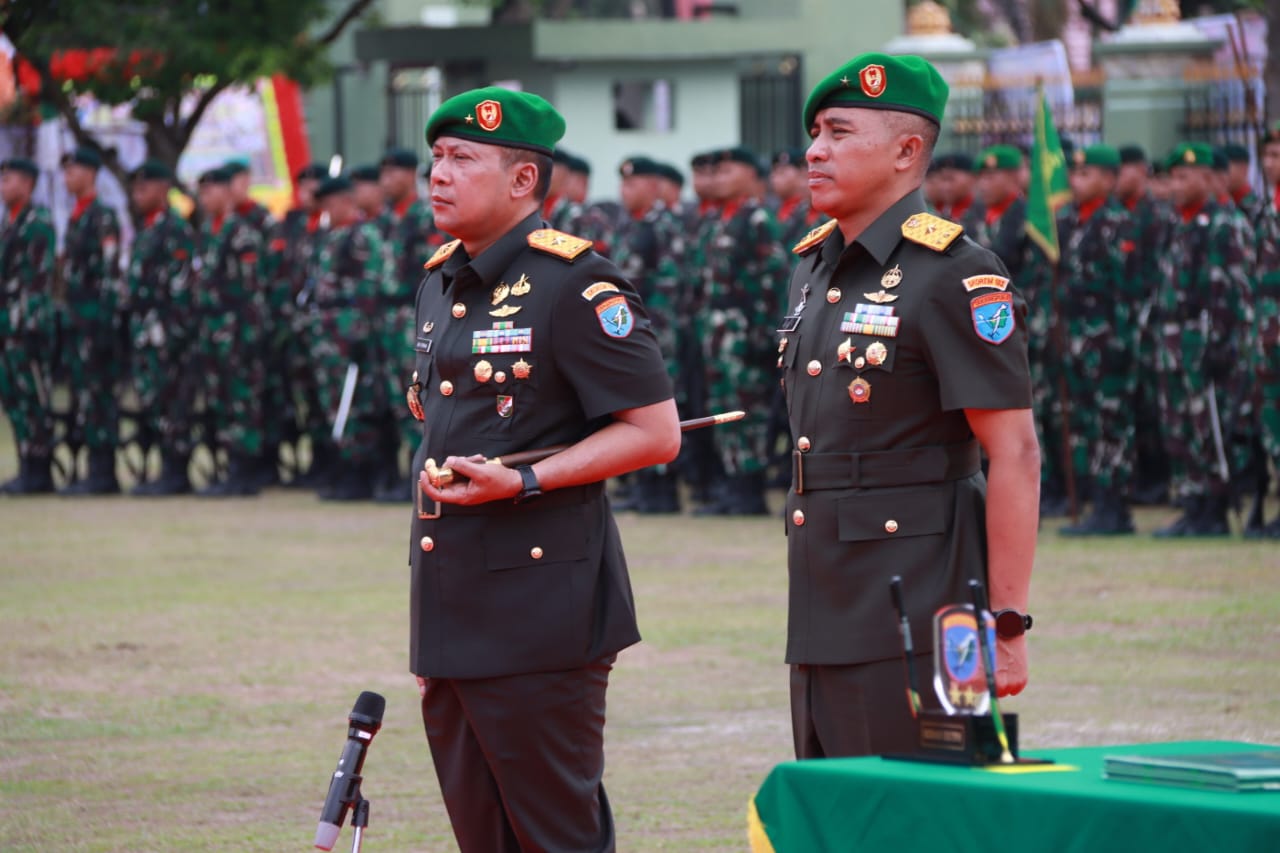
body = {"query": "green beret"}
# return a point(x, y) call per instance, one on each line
point(236, 166)
point(1272, 134)
point(998, 157)
point(790, 157)
point(366, 174)
point(333, 186)
point(498, 116)
point(1096, 155)
point(1236, 153)
point(85, 155)
point(635, 166)
point(1132, 154)
point(1191, 154)
point(702, 160)
point(216, 175)
point(879, 81)
point(671, 173)
point(153, 170)
point(400, 158)
point(312, 172)
point(21, 164)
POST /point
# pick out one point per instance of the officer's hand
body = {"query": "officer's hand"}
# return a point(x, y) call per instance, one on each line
point(474, 482)
point(422, 686)
point(1011, 666)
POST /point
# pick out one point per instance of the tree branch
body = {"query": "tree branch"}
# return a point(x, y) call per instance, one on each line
point(355, 10)
point(206, 98)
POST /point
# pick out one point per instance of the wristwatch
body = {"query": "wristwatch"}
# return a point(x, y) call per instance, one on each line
point(531, 490)
point(1011, 623)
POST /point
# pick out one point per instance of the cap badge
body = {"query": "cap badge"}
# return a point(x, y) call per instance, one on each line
point(872, 80)
point(489, 115)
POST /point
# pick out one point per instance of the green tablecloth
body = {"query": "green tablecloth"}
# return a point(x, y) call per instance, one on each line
point(853, 804)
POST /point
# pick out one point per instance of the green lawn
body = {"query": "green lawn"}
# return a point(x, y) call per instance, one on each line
point(175, 675)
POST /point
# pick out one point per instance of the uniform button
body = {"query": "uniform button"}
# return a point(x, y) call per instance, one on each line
point(814, 367)
point(427, 327)
point(500, 377)
point(535, 552)
point(803, 444)
point(415, 376)
point(446, 388)
point(797, 518)
point(427, 543)
point(779, 361)
point(459, 310)
point(891, 526)
point(859, 362)
point(833, 295)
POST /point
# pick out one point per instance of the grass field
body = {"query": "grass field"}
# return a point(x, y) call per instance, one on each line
point(175, 675)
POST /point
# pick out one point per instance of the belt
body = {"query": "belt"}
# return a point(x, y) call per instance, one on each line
point(815, 471)
point(556, 498)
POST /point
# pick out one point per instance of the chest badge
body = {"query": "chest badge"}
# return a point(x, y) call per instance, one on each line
point(505, 311)
point(522, 286)
point(860, 391)
point(880, 297)
point(415, 404)
point(521, 369)
point(483, 371)
point(871, 320)
point(501, 292)
point(833, 295)
point(458, 311)
point(891, 278)
point(844, 352)
point(792, 320)
point(427, 327)
point(877, 353)
point(506, 405)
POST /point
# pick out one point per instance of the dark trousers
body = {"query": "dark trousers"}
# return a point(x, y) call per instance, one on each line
point(520, 759)
point(859, 709)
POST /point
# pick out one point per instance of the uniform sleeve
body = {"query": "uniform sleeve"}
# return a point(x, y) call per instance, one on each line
point(976, 340)
point(603, 343)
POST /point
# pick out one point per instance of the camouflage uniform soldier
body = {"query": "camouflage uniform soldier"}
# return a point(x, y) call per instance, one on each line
point(242, 204)
point(27, 245)
point(290, 261)
point(91, 275)
point(343, 332)
point(1099, 305)
point(1242, 195)
point(999, 222)
point(649, 249)
point(565, 207)
point(412, 238)
point(159, 306)
point(1153, 221)
point(231, 306)
point(1204, 318)
point(788, 178)
point(744, 265)
point(1268, 313)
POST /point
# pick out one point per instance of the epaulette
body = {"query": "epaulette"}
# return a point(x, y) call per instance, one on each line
point(932, 231)
point(442, 254)
point(558, 243)
point(814, 237)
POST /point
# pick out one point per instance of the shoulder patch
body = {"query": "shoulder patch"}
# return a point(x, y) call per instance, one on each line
point(598, 288)
point(975, 282)
point(442, 254)
point(814, 237)
point(558, 243)
point(932, 231)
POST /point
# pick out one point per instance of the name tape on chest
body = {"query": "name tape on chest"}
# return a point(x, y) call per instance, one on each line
point(503, 337)
point(871, 320)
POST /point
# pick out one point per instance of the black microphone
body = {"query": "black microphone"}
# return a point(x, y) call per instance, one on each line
point(344, 788)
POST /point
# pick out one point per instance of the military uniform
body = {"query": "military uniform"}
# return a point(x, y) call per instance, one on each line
point(342, 327)
point(27, 244)
point(91, 275)
point(159, 303)
point(1204, 320)
point(1268, 342)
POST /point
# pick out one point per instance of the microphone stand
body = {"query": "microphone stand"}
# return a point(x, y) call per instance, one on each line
point(359, 819)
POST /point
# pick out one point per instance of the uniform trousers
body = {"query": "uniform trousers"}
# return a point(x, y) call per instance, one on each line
point(520, 759)
point(840, 711)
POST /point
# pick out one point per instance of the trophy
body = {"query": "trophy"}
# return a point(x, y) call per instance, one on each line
point(970, 728)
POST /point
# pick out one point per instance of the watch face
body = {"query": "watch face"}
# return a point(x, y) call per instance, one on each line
point(1010, 623)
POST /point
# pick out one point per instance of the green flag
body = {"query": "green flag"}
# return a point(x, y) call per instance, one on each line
point(1049, 188)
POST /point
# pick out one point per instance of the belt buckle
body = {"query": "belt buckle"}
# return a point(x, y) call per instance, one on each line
point(797, 471)
point(423, 514)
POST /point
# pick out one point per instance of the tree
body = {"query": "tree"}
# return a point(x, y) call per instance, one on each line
point(168, 59)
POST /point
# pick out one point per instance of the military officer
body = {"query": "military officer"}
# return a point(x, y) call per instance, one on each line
point(999, 222)
point(159, 305)
point(904, 356)
point(243, 204)
point(1204, 317)
point(1238, 186)
point(1268, 314)
point(958, 180)
point(520, 598)
point(366, 184)
point(27, 257)
point(91, 276)
point(796, 217)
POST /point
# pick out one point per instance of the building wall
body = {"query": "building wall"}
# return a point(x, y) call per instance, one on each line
point(705, 103)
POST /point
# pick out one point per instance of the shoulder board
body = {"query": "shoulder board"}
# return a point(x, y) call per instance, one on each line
point(932, 231)
point(814, 237)
point(558, 243)
point(442, 254)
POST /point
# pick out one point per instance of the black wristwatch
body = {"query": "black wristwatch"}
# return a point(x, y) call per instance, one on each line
point(1011, 623)
point(531, 490)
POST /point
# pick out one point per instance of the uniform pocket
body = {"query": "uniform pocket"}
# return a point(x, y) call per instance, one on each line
point(894, 514)
point(536, 538)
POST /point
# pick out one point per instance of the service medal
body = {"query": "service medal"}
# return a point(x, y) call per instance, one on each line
point(844, 352)
point(506, 403)
point(483, 371)
point(415, 405)
point(860, 390)
point(891, 278)
point(877, 353)
point(521, 369)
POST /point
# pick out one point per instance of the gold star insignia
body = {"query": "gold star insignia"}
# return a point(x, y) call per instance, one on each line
point(470, 120)
point(955, 695)
point(844, 80)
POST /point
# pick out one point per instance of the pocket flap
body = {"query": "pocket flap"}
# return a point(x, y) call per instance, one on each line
point(894, 514)
point(532, 538)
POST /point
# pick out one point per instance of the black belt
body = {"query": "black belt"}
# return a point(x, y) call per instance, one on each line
point(814, 471)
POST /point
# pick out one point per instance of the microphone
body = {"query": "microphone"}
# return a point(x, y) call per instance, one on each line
point(344, 787)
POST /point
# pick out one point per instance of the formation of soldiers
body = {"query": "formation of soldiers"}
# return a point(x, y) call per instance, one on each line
point(1154, 338)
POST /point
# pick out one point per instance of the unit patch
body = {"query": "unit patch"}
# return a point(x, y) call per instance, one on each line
point(598, 288)
point(993, 316)
point(977, 282)
point(615, 317)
